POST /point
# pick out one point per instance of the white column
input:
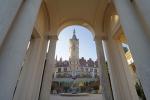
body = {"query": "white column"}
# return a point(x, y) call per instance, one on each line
point(28, 86)
point(8, 11)
point(112, 72)
point(127, 73)
point(142, 7)
point(48, 72)
point(14, 47)
point(122, 86)
point(104, 78)
point(138, 41)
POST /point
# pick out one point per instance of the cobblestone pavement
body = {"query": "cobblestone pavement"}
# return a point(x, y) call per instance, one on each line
point(90, 97)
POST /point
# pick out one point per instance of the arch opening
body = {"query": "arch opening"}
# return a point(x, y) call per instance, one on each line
point(76, 69)
point(84, 34)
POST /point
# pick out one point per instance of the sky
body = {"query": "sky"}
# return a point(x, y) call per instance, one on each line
point(87, 47)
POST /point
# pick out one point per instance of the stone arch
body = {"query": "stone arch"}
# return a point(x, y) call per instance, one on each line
point(82, 23)
point(109, 11)
point(42, 24)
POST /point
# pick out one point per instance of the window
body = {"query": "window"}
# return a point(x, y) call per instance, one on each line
point(86, 69)
point(91, 70)
point(65, 69)
point(59, 69)
point(95, 70)
point(82, 69)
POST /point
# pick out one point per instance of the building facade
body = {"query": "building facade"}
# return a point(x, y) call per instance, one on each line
point(86, 68)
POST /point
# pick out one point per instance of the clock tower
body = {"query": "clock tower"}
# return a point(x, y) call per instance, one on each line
point(74, 52)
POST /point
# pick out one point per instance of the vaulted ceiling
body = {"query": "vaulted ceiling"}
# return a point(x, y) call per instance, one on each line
point(88, 13)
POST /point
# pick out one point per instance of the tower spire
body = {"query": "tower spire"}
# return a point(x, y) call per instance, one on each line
point(74, 35)
point(74, 31)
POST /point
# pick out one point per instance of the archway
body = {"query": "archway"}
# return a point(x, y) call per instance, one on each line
point(87, 70)
point(80, 22)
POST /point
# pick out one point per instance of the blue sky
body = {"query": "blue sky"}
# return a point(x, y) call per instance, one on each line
point(86, 43)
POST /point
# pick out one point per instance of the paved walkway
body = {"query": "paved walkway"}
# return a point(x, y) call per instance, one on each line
point(90, 97)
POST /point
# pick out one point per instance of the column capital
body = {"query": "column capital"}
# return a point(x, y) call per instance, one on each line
point(100, 38)
point(53, 37)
